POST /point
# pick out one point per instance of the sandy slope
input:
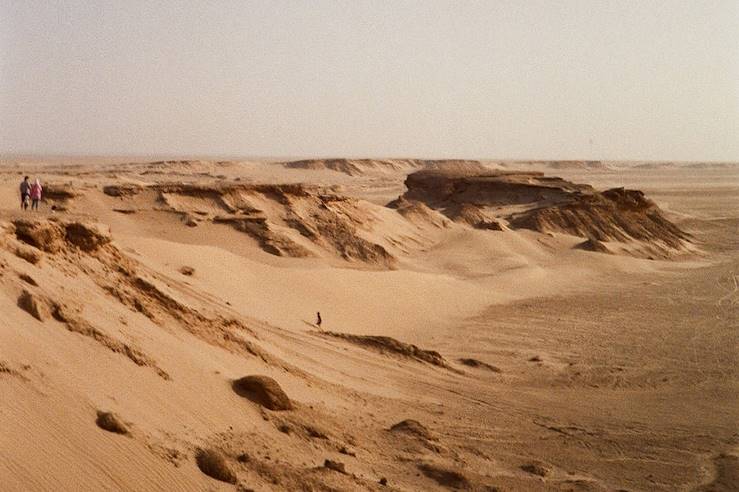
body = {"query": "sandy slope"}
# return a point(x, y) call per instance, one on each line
point(607, 371)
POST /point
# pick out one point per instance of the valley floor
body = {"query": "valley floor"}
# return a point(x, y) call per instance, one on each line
point(594, 372)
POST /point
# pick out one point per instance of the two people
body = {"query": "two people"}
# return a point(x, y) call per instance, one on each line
point(30, 192)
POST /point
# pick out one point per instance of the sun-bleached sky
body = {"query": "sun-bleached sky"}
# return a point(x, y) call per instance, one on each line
point(491, 79)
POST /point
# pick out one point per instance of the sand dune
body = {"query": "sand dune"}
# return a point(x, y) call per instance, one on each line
point(158, 327)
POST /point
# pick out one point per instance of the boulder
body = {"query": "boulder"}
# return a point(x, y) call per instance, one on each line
point(34, 306)
point(335, 466)
point(414, 428)
point(214, 464)
point(264, 391)
point(110, 422)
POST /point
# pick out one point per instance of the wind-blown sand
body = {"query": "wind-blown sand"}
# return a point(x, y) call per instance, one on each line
point(485, 326)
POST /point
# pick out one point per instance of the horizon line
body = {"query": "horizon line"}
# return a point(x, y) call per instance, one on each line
point(234, 157)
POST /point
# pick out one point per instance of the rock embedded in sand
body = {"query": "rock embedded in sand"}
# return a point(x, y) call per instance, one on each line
point(592, 244)
point(264, 391)
point(726, 475)
point(347, 451)
point(27, 279)
point(390, 345)
point(188, 271)
point(31, 255)
point(469, 362)
point(536, 468)
point(214, 464)
point(414, 428)
point(34, 305)
point(122, 190)
point(476, 216)
point(335, 465)
point(110, 422)
point(190, 221)
point(444, 476)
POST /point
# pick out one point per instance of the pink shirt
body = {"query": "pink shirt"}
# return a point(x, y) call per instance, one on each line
point(36, 191)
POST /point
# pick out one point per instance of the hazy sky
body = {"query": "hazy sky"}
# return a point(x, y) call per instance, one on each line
point(490, 79)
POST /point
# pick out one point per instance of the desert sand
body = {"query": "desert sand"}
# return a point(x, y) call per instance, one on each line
point(486, 326)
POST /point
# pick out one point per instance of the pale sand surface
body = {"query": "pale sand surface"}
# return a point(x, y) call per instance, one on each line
point(633, 382)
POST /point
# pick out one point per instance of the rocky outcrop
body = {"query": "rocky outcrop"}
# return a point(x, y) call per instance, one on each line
point(293, 220)
point(442, 189)
point(60, 193)
point(358, 167)
point(87, 237)
point(122, 190)
point(53, 236)
point(270, 240)
point(391, 346)
point(45, 235)
point(616, 214)
point(530, 200)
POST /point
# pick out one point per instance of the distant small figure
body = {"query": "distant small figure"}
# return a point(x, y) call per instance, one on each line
point(35, 194)
point(25, 192)
point(318, 319)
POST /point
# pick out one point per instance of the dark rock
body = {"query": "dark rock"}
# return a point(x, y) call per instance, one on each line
point(214, 464)
point(27, 279)
point(414, 428)
point(335, 465)
point(479, 364)
point(445, 477)
point(111, 423)
point(264, 391)
point(593, 245)
point(45, 235)
point(34, 306)
point(87, 237)
point(536, 468)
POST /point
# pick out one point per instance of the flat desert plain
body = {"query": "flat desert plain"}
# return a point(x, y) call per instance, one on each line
point(485, 326)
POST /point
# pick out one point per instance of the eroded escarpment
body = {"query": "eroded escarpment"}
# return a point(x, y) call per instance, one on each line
point(530, 200)
point(390, 346)
point(359, 167)
point(293, 220)
point(85, 249)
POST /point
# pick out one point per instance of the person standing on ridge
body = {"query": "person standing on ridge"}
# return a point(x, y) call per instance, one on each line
point(35, 194)
point(25, 192)
point(318, 319)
